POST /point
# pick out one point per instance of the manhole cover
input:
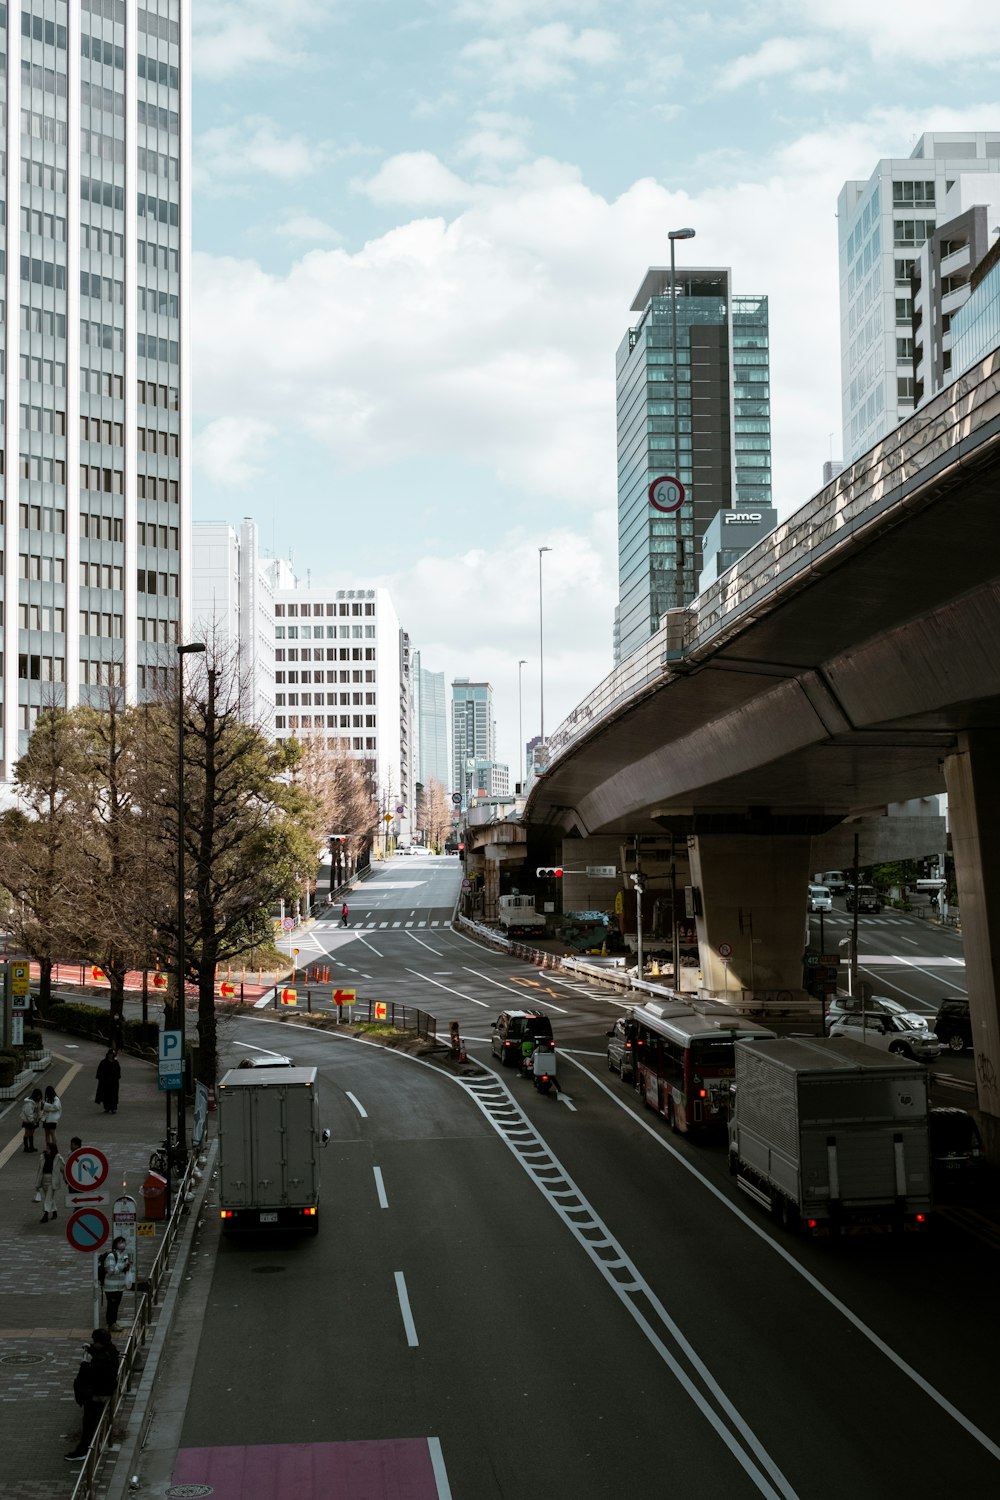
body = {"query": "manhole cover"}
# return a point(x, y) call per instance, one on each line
point(188, 1491)
point(22, 1359)
point(267, 1270)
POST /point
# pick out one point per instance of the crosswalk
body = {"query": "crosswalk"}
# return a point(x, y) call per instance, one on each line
point(363, 926)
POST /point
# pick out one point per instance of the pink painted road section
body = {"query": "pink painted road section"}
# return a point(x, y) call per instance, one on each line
point(393, 1469)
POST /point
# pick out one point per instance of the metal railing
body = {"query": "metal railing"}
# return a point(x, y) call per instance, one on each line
point(942, 436)
point(133, 1350)
point(400, 1017)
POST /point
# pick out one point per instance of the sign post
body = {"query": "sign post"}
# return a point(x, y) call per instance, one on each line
point(124, 1217)
point(170, 1062)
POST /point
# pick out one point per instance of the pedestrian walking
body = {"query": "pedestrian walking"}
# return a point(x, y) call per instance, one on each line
point(51, 1115)
point(109, 1073)
point(93, 1388)
point(116, 1278)
point(31, 1118)
point(51, 1176)
point(343, 915)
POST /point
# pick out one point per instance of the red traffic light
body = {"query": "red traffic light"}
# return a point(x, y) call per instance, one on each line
point(548, 872)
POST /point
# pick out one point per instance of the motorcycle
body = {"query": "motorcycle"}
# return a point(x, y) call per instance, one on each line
point(543, 1067)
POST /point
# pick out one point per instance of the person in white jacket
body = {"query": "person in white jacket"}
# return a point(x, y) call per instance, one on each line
point(51, 1177)
point(117, 1277)
point(51, 1115)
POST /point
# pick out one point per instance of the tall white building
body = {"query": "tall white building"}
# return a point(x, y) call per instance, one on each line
point(342, 670)
point(882, 223)
point(944, 275)
point(232, 607)
point(473, 732)
point(96, 399)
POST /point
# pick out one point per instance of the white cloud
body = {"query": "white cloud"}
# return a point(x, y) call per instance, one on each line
point(305, 226)
point(773, 58)
point(417, 178)
point(256, 147)
point(234, 36)
point(546, 57)
point(498, 139)
point(232, 450)
point(925, 31)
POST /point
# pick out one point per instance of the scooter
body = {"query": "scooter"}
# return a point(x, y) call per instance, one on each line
point(543, 1067)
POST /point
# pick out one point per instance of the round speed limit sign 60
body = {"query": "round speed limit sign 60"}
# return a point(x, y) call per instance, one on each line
point(666, 493)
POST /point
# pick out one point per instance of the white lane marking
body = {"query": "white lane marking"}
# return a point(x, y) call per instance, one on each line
point(357, 1105)
point(511, 990)
point(383, 1201)
point(404, 1307)
point(913, 964)
point(886, 960)
point(370, 946)
point(807, 1276)
point(440, 1472)
point(565, 1099)
point(424, 944)
point(547, 1173)
point(471, 998)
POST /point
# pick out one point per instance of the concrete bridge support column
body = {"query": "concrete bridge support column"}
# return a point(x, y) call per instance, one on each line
point(974, 813)
point(753, 902)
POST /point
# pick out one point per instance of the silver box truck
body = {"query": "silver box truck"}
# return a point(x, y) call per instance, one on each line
point(831, 1135)
point(269, 1144)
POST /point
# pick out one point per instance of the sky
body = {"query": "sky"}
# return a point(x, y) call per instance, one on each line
point(419, 226)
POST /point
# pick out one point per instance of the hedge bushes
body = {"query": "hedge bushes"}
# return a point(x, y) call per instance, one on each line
point(94, 1022)
point(11, 1063)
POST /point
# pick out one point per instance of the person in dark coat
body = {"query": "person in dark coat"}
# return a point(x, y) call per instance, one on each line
point(109, 1075)
point(93, 1387)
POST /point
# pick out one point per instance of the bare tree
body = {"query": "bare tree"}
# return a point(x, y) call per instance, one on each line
point(37, 840)
point(341, 792)
point(437, 814)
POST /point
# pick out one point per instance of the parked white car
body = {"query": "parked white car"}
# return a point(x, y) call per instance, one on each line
point(890, 1033)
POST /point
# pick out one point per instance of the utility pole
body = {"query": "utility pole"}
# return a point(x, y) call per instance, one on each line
point(637, 882)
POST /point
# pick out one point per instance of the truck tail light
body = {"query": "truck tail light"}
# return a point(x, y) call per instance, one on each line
point(226, 1213)
point(310, 1212)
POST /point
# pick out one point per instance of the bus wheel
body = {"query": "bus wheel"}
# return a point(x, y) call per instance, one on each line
point(672, 1117)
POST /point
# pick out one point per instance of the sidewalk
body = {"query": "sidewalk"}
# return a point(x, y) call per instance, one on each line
point(46, 1288)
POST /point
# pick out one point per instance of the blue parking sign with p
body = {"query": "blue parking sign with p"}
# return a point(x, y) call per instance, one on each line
point(171, 1060)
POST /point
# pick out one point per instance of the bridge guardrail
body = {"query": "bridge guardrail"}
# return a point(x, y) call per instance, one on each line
point(943, 433)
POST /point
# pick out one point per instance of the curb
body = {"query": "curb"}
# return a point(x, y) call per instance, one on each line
point(118, 1484)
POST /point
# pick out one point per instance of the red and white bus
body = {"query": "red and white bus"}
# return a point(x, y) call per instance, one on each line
point(686, 1062)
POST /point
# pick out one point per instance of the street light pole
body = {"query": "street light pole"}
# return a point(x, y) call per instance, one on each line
point(541, 657)
point(191, 648)
point(521, 766)
point(672, 235)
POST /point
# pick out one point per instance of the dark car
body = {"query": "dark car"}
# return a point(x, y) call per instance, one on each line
point(621, 1047)
point(953, 1026)
point(956, 1153)
point(511, 1027)
point(864, 898)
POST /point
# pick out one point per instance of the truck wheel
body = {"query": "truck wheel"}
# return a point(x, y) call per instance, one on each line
point(955, 1042)
point(789, 1216)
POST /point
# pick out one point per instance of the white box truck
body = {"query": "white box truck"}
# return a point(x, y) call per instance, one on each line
point(831, 1135)
point(269, 1144)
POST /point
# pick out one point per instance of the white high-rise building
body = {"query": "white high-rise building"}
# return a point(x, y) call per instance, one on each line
point(232, 608)
point(430, 725)
point(882, 223)
point(96, 398)
point(342, 670)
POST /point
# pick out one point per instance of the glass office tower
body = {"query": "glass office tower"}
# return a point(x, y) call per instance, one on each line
point(718, 443)
point(96, 102)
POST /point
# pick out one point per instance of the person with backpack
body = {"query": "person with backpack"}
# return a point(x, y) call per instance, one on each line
point(31, 1118)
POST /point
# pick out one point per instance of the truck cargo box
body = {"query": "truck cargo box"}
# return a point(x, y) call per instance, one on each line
point(269, 1144)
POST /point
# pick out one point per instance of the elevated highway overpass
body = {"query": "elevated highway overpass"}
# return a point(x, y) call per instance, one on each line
point(850, 660)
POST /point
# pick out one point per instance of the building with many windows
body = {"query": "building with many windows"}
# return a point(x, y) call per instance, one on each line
point(944, 275)
point(881, 225)
point(342, 671)
point(232, 610)
point(96, 387)
point(720, 448)
point(473, 732)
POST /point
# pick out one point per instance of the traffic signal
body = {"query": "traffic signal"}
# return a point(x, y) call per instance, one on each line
point(547, 872)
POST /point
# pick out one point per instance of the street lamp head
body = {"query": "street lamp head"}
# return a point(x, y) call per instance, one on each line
point(544, 549)
point(190, 647)
point(680, 234)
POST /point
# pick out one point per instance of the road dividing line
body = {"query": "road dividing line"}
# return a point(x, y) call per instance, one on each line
point(383, 1201)
point(460, 993)
point(358, 1105)
point(440, 1472)
point(404, 1307)
point(519, 993)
